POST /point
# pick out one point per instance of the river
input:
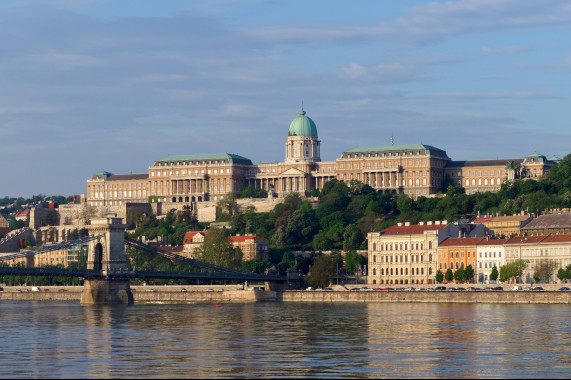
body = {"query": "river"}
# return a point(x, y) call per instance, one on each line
point(309, 340)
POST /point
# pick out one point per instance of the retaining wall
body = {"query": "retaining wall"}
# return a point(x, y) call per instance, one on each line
point(173, 294)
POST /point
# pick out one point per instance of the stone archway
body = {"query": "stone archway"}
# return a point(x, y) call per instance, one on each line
point(98, 257)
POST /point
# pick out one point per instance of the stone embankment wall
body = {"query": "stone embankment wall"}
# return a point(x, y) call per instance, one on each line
point(202, 294)
point(519, 297)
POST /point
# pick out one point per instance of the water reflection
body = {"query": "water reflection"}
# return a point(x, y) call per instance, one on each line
point(284, 340)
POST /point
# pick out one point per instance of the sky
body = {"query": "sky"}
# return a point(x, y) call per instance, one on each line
point(91, 85)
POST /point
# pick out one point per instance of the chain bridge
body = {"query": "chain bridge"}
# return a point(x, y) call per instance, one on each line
point(107, 276)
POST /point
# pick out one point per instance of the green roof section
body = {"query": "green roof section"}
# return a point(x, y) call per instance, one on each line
point(232, 158)
point(393, 148)
point(302, 126)
point(102, 174)
point(540, 157)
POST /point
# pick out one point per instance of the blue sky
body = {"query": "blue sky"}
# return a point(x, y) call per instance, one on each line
point(90, 85)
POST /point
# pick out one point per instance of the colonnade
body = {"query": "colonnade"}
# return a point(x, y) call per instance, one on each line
point(390, 180)
point(189, 186)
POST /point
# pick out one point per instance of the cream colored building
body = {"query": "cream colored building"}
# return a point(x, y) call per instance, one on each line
point(406, 254)
point(491, 253)
point(534, 249)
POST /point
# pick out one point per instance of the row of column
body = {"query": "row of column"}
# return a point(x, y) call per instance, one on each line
point(383, 179)
point(189, 186)
point(283, 184)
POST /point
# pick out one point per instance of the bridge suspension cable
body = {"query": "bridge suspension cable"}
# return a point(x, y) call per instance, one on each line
point(50, 248)
point(176, 257)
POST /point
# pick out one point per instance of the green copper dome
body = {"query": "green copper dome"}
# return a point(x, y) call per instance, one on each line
point(302, 126)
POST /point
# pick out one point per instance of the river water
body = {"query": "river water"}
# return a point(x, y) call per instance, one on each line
point(310, 340)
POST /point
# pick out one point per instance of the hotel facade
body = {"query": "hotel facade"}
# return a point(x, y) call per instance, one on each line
point(415, 170)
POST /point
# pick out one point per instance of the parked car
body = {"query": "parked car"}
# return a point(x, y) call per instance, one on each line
point(516, 288)
point(429, 289)
point(564, 288)
point(526, 289)
point(409, 289)
point(62, 290)
point(309, 288)
point(498, 288)
point(183, 290)
point(537, 289)
point(439, 288)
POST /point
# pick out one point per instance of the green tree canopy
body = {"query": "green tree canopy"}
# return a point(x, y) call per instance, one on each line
point(217, 249)
point(322, 272)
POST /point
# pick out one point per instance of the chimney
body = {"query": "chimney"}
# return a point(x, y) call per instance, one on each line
point(444, 222)
point(421, 223)
point(437, 222)
point(407, 224)
point(399, 224)
point(429, 223)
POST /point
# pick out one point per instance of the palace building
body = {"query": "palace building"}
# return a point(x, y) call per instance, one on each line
point(415, 170)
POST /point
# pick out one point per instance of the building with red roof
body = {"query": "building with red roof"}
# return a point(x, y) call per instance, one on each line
point(253, 247)
point(537, 249)
point(407, 253)
point(456, 253)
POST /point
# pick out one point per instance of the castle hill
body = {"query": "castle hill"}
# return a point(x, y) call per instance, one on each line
point(386, 223)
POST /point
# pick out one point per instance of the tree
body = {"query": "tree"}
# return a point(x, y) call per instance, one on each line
point(87, 213)
point(459, 275)
point(494, 275)
point(512, 270)
point(469, 273)
point(544, 270)
point(439, 277)
point(352, 238)
point(353, 260)
point(562, 274)
point(449, 276)
point(228, 204)
point(217, 249)
point(322, 271)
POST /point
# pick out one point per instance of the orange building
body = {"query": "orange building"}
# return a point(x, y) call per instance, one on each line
point(456, 253)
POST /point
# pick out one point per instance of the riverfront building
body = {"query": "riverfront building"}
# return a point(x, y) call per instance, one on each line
point(483, 253)
point(491, 253)
point(407, 254)
point(415, 170)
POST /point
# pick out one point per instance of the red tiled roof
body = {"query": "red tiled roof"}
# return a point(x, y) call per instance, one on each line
point(557, 239)
point(413, 229)
point(189, 235)
point(460, 241)
point(493, 241)
point(525, 239)
point(25, 212)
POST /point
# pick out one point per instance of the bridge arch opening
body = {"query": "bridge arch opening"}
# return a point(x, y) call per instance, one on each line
point(98, 257)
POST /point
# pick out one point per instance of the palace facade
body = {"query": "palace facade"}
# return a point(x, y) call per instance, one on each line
point(415, 170)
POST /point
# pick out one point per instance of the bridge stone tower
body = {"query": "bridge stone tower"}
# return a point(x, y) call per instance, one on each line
point(107, 254)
